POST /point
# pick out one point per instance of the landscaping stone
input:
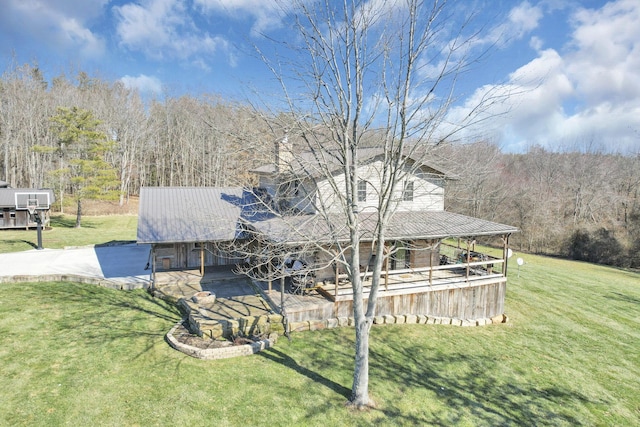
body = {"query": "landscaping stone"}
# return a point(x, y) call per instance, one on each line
point(332, 323)
point(498, 319)
point(299, 326)
point(411, 319)
point(317, 325)
point(389, 319)
point(203, 297)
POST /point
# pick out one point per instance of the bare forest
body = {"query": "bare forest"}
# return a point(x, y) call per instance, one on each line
point(576, 202)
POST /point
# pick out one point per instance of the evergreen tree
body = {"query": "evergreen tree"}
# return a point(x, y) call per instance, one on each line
point(84, 146)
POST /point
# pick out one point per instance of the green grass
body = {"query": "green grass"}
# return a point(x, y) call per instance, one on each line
point(94, 230)
point(570, 355)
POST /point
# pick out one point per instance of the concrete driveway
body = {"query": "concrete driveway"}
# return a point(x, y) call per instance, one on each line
point(123, 264)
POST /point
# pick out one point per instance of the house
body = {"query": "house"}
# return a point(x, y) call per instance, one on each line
point(431, 266)
point(14, 203)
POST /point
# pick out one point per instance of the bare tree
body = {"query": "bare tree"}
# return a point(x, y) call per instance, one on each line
point(375, 75)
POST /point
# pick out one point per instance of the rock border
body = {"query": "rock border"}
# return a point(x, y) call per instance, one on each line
point(311, 325)
point(217, 353)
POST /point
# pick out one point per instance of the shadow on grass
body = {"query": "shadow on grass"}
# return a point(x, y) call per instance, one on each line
point(104, 305)
point(625, 298)
point(286, 360)
point(10, 242)
point(473, 388)
point(63, 221)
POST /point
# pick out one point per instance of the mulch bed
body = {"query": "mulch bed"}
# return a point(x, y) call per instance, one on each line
point(183, 335)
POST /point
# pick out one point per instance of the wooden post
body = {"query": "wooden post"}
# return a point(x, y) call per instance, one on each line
point(335, 291)
point(153, 266)
point(431, 266)
point(282, 293)
point(270, 272)
point(505, 253)
point(468, 257)
point(386, 267)
point(201, 259)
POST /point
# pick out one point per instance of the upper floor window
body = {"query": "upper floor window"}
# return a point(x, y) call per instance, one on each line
point(407, 191)
point(362, 191)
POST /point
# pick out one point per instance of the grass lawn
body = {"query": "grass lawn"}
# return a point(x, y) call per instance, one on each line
point(94, 230)
point(570, 355)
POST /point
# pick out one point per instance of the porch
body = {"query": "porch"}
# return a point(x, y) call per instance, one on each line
point(456, 289)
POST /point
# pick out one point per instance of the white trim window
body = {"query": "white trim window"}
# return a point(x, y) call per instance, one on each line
point(407, 191)
point(362, 190)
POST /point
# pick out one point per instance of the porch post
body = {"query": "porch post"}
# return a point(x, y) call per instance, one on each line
point(468, 257)
point(386, 262)
point(270, 272)
point(282, 294)
point(153, 266)
point(201, 259)
point(505, 252)
point(431, 265)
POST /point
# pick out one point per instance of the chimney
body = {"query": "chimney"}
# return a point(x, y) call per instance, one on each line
point(284, 153)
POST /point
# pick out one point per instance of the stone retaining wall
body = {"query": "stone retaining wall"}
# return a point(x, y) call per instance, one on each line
point(226, 328)
point(316, 325)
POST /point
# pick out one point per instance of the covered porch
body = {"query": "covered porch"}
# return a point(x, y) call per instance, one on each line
point(469, 286)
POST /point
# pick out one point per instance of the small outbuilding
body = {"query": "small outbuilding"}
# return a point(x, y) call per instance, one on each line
point(16, 202)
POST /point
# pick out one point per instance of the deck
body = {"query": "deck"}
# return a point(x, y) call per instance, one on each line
point(450, 291)
point(444, 291)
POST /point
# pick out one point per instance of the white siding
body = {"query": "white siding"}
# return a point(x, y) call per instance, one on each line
point(428, 191)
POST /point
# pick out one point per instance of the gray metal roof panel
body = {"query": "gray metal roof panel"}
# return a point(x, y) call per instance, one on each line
point(196, 214)
point(188, 214)
point(402, 226)
point(8, 198)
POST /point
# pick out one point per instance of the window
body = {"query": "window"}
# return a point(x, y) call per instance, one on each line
point(407, 191)
point(362, 191)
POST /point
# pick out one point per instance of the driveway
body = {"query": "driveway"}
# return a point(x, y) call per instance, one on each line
point(123, 264)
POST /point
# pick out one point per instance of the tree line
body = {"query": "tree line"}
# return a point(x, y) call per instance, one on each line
point(578, 203)
point(173, 141)
point(583, 204)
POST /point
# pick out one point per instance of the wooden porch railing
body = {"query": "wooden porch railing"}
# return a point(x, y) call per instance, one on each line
point(472, 265)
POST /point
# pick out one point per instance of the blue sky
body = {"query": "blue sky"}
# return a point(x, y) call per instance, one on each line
point(572, 66)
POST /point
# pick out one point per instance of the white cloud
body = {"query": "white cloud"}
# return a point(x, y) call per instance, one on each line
point(520, 21)
point(145, 84)
point(62, 25)
point(268, 14)
point(587, 93)
point(605, 62)
point(164, 29)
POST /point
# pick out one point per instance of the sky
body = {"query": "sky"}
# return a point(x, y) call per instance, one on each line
point(571, 67)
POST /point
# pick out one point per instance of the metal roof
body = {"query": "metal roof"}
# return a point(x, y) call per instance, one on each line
point(402, 226)
point(8, 195)
point(199, 214)
point(188, 214)
point(315, 164)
